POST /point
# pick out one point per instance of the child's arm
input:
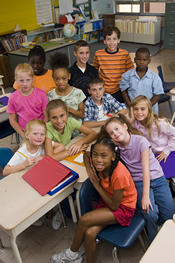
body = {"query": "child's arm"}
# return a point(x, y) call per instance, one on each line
point(49, 150)
point(91, 136)
point(146, 203)
point(94, 124)
point(45, 116)
point(15, 125)
point(126, 97)
point(154, 99)
point(77, 113)
point(8, 169)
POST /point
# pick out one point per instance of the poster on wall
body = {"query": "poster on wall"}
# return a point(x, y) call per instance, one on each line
point(43, 11)
point(66, 7)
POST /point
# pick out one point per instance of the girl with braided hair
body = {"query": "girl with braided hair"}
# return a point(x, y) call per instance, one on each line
point(113, 182)
point(154, 198)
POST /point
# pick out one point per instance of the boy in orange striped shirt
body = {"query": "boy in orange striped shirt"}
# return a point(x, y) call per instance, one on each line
point(112, 62)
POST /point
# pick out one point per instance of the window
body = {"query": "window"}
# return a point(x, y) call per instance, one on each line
point(128, 8)
point(155, 8)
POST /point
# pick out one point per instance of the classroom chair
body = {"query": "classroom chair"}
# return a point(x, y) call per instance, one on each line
point(6, 130)
point(167, 86)
point(165, 97)
point(117, 235)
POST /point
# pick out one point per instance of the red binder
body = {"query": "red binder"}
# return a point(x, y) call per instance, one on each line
point(46, 174)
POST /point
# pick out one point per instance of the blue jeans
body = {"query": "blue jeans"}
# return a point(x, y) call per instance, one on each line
point(162, 203)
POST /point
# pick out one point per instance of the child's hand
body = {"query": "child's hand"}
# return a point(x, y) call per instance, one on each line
point(93, 175)
point(29, 161)
point(146, 203)
point(161, 156)
point(75, 148)
point(84, 147)
point(39, 158)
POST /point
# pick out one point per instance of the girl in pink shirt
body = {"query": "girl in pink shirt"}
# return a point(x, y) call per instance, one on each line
point(27, 102)
point(157, 130)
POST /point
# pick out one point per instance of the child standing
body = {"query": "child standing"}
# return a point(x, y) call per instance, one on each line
point(159, 132)
point(31, 151)
point(99, 104)
point(81, 72)
point(112, 62)
point(141, 80)
point(42, 77)
point(154, 198)
point(117, 204)
point(27, 102)
point(59, 131)
point(73, 97)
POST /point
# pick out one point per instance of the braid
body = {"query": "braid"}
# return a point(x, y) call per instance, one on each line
point(114, 164)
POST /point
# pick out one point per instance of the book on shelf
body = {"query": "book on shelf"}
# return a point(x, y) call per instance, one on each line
point(11, 41)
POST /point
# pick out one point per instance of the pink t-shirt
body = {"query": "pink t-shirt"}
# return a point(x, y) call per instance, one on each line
point(27, 107)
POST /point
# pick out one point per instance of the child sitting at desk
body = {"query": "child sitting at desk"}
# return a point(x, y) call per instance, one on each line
point(31, 151)
point(42, 77)
point(73, 97)
point(99, 104)
point(27, 102)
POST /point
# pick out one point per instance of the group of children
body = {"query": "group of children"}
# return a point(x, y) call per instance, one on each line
point(132, 156)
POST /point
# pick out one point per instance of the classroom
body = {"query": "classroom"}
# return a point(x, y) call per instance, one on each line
point(56, 26)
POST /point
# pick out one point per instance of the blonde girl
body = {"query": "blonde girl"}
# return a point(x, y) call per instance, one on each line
point(154, 198)
point(31, 151)
point(72, 96)
point(59, 131)
point(159, 132)
point(27, 102)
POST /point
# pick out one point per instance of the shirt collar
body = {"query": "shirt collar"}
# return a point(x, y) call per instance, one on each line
point(129, 147)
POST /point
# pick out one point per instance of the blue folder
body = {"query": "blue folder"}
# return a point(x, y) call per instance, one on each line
point(65, 182)
point(4, 101)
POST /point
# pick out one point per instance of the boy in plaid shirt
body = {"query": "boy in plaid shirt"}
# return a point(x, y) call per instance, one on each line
point(99, 105)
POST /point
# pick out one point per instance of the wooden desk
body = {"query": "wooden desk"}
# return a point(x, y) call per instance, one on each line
point(3, 114)
point(21, 205)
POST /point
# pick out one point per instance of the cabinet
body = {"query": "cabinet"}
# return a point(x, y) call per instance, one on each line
point(11, 40)
point(169, 37)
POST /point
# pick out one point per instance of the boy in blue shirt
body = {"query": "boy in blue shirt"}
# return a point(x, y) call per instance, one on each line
point(81, 71)
point(99, 105)
point(141, 80)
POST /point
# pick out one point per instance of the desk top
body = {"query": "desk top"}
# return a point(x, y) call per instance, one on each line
point(19, 200)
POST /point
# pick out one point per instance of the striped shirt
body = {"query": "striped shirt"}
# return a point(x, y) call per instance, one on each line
point(111, 67)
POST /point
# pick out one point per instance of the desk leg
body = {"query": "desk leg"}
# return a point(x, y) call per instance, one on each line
point(72, 208)
point(78, 203)
point(15, 249)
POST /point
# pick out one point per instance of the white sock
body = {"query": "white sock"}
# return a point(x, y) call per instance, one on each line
point(70, 253)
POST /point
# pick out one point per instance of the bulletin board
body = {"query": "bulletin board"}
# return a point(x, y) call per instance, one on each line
point(86, 6)
point(18, 12)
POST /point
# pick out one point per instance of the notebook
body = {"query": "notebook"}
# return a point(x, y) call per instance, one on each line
point(46, 174)
point(4, 101)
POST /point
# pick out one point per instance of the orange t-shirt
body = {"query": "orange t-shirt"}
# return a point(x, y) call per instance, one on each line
point(121, 179)
point(44, 82)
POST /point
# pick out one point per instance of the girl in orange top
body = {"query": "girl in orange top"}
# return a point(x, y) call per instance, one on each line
point(118, 194)
point(42, 77)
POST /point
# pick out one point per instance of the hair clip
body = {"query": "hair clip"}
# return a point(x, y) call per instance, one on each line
point(18, 67)
point(116, 148)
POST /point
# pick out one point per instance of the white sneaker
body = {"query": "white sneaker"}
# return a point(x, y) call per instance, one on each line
point(57, 220)
point(63, 258)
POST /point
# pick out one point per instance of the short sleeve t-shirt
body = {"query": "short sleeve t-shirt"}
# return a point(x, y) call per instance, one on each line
point(121, 179)
point(131, 155)
point(22, 154)
point(64, 138)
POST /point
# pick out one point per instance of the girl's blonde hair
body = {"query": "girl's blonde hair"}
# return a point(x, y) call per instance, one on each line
point(29, 127)
point(24, 67)
point(121, 119)
point(53, 104)
point(151, 114)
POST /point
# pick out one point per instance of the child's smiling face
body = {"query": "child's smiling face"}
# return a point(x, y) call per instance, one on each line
point(112, 42)
point(58, 117)
point(61, 77)
point(117, 132)
point(36, 136)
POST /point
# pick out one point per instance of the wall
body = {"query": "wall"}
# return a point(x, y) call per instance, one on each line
point(103, 6)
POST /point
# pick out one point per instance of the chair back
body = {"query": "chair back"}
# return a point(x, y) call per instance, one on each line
point(5, 155)
point(160, 73)
point(87, 192)
point(109, 20)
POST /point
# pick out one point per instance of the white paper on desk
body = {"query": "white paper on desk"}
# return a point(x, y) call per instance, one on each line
point(69, 18)
point(79, 159)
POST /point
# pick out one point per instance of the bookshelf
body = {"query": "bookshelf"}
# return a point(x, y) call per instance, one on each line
point(11, 40)
point(45, 34)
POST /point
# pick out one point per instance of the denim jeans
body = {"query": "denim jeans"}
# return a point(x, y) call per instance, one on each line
point(162, 203)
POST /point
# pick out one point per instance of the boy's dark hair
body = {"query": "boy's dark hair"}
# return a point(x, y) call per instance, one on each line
point(108, 30)
point(109, 143)
point(37, 51)
point(95, 81)
point(142, 50)
point(59, 60)
point(80, 43)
